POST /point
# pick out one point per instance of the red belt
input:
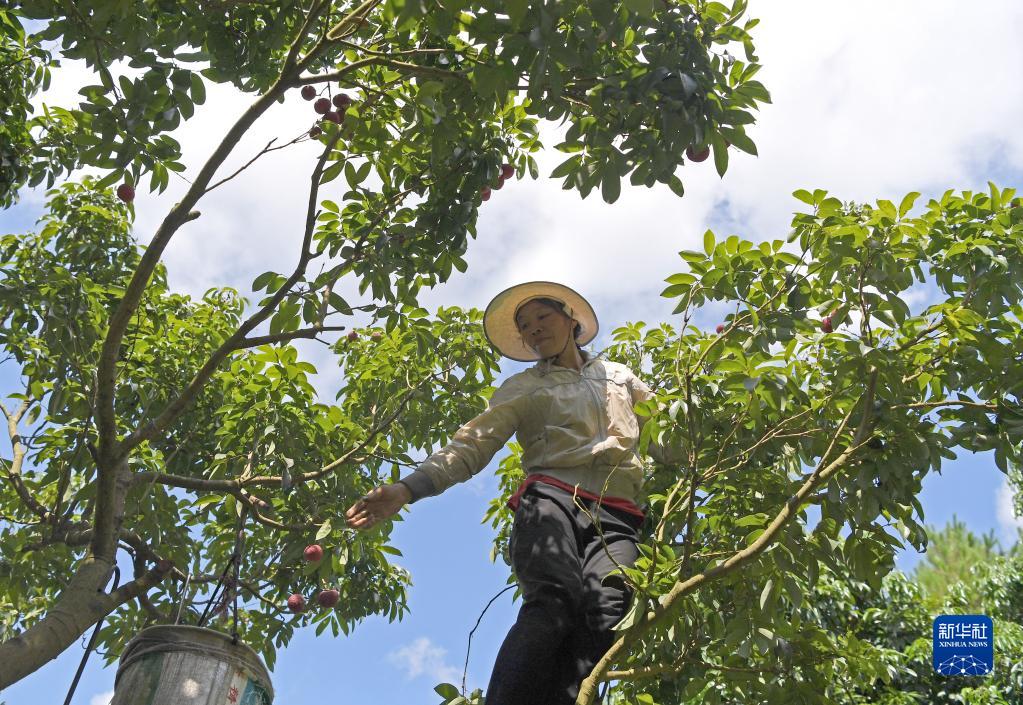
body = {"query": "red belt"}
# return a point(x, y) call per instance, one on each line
point(613, 502)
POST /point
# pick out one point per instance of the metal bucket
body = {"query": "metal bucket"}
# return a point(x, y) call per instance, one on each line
point(180, 665)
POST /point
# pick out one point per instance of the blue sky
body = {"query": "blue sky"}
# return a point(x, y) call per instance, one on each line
point(909, 96)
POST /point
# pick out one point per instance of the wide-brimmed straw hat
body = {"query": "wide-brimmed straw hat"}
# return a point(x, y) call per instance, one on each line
point(503, 332)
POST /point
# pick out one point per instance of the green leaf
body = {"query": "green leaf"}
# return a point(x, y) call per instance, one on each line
point(611, 186)
point(643, 8)
point(907, 203)
point(739, 139)
point(331, 172)
point(720, 153)
point(804, 196)
point(324, 530)
point(447, 691)
point(708, 242)
point(197, 89)
point(567, 167)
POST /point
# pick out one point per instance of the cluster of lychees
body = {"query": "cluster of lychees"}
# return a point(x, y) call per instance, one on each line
point(324, 598)
point(332, 109)
point(507, 171)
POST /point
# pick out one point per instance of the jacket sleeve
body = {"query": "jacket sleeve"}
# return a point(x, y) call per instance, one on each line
point(641, 392)
point(472, 446)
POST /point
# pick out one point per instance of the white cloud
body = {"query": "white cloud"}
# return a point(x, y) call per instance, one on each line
point(424, 658)
point(1008, 522)
point(102, 698)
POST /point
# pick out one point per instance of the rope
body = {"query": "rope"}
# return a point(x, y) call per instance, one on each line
point(465, 671)
point(233, 562)
point(92, 643)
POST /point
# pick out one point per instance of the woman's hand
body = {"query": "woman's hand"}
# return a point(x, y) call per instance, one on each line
point(378, 504)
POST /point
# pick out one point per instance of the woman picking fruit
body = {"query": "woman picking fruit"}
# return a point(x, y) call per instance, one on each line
point(577, 512)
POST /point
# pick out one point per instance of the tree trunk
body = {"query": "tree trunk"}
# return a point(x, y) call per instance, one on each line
point(80, 605)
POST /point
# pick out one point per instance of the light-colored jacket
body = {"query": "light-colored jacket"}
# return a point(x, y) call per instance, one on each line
point(578, 427)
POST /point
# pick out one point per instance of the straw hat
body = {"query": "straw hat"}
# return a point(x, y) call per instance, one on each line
point(499, 319)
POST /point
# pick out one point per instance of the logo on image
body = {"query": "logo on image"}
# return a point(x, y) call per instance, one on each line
point(964, 645)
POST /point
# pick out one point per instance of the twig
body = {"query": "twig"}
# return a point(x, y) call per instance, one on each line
point(266, 150)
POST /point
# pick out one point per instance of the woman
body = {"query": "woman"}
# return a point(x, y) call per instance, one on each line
point(576, 513)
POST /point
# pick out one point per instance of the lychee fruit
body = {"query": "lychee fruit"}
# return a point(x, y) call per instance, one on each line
point(826, 324)
point(322, 105)
point(315, 131)
point(720, 329)
point(296, 603)
point(507, 171)
point(328, 598)
point(485, 193)
point(308, 92)
point(353, 335)
point(341, 101)
point(126, 192)
point(313, 552)
point(334, 116)
point(697, 155)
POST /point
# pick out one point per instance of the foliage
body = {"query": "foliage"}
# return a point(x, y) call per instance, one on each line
point(951, 558)
point(257, 421)
point(155, 424)
point(806, 442)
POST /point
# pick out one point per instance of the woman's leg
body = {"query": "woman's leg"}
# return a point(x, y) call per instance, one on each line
point(545, 556)
point(604, 598)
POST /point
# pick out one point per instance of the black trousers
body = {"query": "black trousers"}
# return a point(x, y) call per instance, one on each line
point(569, 600)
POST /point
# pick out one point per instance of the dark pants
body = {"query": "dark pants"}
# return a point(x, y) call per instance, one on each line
point(568, 608)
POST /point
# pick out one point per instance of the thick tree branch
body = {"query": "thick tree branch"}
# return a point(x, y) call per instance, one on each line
point(13, 469)
point(177, 406)
point(81, 604)
point(307, 333)
point(821, 474)
point(349, 22)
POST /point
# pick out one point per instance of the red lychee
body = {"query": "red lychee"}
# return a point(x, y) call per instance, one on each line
point(826, 324)
point(328, 598)
point(334, 116)
point(322, 105)
point(720, 329)
point(697, 155)
point(485, 193)
point(313, 552)
point(315, 131)
point(296, 603)
point(507, 171)
point(308, 92)
point(353, 335)
point(126, 192)
point(341, 101)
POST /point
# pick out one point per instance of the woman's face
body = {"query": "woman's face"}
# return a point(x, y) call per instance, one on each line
point(543, 328)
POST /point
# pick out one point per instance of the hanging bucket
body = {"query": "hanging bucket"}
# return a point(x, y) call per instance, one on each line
point(181, 665)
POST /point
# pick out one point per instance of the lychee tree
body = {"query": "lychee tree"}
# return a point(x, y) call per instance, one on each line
point(165, 427)
point(802, 447)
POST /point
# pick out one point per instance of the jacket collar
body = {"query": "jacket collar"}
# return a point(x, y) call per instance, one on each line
point(546, 366)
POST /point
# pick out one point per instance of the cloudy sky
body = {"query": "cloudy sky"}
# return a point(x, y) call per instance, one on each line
point(870, 100)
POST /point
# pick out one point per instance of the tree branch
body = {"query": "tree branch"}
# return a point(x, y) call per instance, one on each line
point(253, 342)
point(13, 469)
point(820, 475)
point(178, 405)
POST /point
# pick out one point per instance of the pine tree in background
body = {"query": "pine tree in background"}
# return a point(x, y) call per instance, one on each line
point(952, 557)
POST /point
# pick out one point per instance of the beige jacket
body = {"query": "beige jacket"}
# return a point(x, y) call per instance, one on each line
point(578, 427)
